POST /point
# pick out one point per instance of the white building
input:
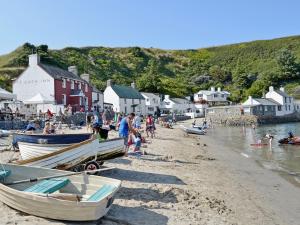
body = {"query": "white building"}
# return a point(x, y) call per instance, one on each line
point(177, 105)
point(212, 97)
point(152, 103)
point(286, 102)
point(124, 99)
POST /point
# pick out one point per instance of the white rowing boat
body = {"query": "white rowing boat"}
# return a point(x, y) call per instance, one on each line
point(31, 150)
point(79, 197)
point(72, 155)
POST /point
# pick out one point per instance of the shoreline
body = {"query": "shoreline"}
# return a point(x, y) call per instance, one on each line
point(190, 180)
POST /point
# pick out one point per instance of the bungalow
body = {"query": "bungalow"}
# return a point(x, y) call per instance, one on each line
point(177, 105)
point(212, 97)
point(260, 106)
point(124, 99)
point(57, 85)
point(286, 102)
point(152, 103)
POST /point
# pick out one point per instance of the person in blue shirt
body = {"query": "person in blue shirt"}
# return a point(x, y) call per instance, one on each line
point(125, 128)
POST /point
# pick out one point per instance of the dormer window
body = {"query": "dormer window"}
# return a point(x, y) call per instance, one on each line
point(72, 84)
point(64, 83)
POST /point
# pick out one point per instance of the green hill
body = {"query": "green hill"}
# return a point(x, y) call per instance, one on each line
point(243, 69)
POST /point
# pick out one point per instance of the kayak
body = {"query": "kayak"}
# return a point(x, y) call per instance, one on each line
point(290, 141)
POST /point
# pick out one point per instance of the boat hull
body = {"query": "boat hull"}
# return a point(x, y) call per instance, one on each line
point(53, 208)
point(193, 131)
point(50, 139)
point(29, 150)
point(75, 154)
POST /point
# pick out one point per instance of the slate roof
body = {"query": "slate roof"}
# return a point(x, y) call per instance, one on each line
point(282, 93)
point(179, 100)
point(58, 73)
point(126, 92)
point(266, 101)
point(206, 92)
point(150, 95)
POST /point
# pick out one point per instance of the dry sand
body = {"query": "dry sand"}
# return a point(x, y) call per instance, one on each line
point(190, 180)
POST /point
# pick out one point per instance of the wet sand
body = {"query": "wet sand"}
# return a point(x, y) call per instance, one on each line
point(190, 180)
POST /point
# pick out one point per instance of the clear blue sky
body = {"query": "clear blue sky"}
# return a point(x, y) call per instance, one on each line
point(168, 24)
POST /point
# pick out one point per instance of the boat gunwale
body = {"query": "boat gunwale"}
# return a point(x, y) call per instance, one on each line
point(65, 149)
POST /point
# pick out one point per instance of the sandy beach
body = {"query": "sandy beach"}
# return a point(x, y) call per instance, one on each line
point(189, 180)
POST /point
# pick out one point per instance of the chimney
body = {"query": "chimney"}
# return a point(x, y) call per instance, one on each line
point(281, 89)
point(219, 89)
point(85, 77)
point(250, 100)
point(34, 59)
point(73, 69)
point(271, 89)
point(109, 83)
point(213, 89)
point(133, 85)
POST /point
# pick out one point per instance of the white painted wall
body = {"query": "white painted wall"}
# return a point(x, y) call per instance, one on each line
point(99, 97)
point(152, 101)
point(32, 81)
point(177, 108)
point(111, 97)
point(287, 103)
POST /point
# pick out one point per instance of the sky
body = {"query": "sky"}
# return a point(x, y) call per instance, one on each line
point(167, 24)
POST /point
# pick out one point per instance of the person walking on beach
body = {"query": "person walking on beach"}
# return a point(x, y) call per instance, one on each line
point(125, 128)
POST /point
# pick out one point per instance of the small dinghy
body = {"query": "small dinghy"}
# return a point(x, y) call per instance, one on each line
point(191, 130)
point(56, 194)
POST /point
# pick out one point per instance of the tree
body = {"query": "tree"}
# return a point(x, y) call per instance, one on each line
point(219, 74)
point(150, 80)
point(286, 61)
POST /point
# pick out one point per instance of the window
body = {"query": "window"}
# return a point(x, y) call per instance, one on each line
point(64, 83)
point(86, 88)
point(215, 95)
point(79, 86)
point(150, 109)
point(140, 101)
point(289, 108)
point(125, 101)
point(64, 99)
point(290, 100)
point(279, 108)
point(72, 84)
point(285, 107)
point(125, 109)
point(285, 99)
point(147, 99)
point(266, 108)
point(200, 95)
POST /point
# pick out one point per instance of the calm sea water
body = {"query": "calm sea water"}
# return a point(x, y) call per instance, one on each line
point(284, 159)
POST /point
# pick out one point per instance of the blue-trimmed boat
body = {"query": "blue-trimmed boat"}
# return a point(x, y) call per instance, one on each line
point(50, 138)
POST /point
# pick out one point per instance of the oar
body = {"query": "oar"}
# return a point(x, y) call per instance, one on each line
point(56, 176)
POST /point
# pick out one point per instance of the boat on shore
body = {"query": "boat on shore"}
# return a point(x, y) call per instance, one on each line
point(192, 130)
point(62, 196)
point(70, 156)
point(69, 138)
point(5, 133)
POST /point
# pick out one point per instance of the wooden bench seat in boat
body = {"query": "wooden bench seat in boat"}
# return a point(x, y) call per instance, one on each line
point(4, 173)
point(48, 186)
point(101, 193)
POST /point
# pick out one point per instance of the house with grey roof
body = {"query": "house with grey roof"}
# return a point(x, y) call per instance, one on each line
point(152, 103)
point(286, 102)
point(124, 99)
point(260, 106)
point(177, 105)
point(212, 97)
point(63, 87)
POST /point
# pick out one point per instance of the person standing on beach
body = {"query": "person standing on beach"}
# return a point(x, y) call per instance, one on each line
point(125, 128)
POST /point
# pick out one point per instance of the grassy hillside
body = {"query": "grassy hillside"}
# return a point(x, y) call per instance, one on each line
point(243, 69)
